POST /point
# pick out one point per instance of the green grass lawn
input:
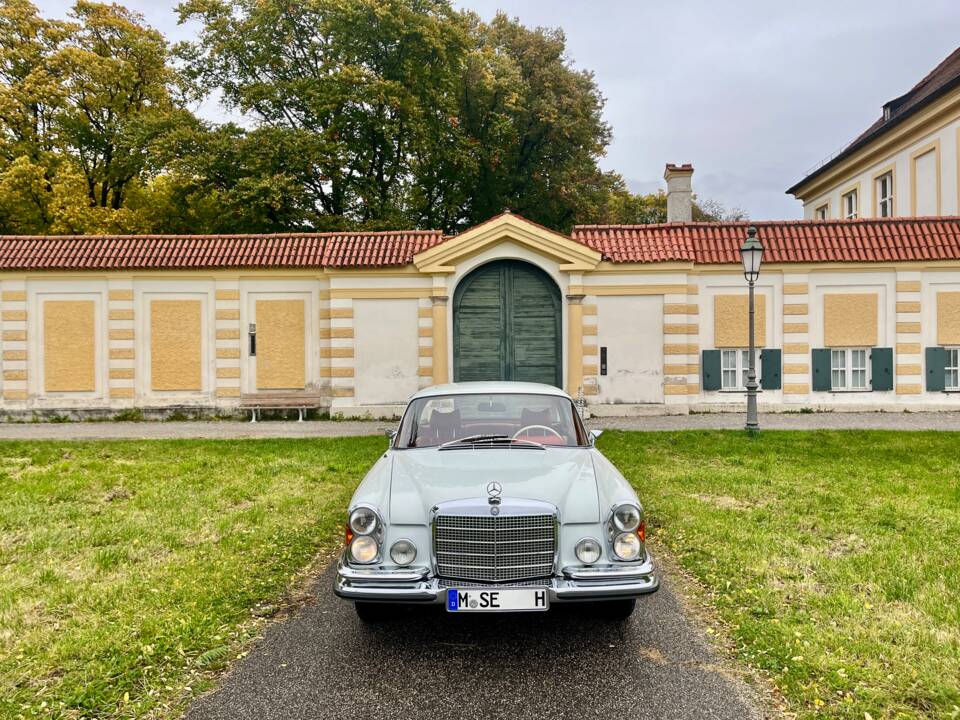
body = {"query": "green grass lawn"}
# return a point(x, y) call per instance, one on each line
point(130, 571)
point(834, 557)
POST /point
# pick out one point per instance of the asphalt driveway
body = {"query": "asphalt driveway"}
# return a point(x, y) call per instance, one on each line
point(323, 663)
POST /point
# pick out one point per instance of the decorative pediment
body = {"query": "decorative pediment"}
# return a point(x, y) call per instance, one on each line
point(571, 255)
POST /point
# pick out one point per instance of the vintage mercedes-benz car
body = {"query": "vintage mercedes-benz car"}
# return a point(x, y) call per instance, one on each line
point(492, 497)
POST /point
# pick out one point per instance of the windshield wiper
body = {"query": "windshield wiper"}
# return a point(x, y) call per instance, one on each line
point(489, 440)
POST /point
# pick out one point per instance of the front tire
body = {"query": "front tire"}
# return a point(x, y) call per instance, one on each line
point(617, 610)
point(372, 613)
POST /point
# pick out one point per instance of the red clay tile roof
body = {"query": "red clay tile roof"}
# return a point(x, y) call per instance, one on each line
point(785, 241)
point(869, 240)
point(936, 83)
point(143, 252)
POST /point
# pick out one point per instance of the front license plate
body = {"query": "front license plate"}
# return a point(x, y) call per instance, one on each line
point(502, 600)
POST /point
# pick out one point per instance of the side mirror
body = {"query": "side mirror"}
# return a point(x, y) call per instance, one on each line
point(390, 434)
point(593, 435)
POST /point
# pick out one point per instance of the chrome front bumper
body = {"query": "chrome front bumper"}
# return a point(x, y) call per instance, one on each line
point(606, 582)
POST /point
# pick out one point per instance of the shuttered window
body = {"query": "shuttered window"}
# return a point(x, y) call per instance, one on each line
point(852, 369)
point(951, 369)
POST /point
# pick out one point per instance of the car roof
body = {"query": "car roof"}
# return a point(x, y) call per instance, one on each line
point(491, 388)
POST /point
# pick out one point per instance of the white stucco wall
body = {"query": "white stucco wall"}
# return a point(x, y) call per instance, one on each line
point(908, 167)
point(631, 328)
point(385, 341)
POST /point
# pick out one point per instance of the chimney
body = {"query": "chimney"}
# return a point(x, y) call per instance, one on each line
point(679, 192)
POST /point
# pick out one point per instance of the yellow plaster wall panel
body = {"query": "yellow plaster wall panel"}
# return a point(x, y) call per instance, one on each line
point(589, 310)
point(228, 353)
point(228, 392)
point(589, 329)
point(681, 349)
point(908, 369)
point(796, 348)
point(795, 327)
point(281, 346)
point(589, 350)
point(121, 314)
point(14, 395)
point(425, 351)
point(948, 318)
point(228, 314)
point(14, 355)
point(681, 329)
point(425, 332)
point(693, 289)
point(339, 352)
point(343, 392)
point(795, 309)
point(14, 374)
point(680, 369)
point(228, 295)
point(121, 393)
point(176, 345)
point(69, 346)
point(796, 368)
point(850, 319)
point(908, 327)
point(13, 315)
point(229, 334)
point(228, 372)
point(675, 390)
point(909, 389)
point(121, 334)
point(731, 321)
point(908, 348)
point(424, 312)
point(796, 389)
point(425, 371)
point(120, 295)
point(908, 307)
point(121, 373)
point(13, 295)
point(14, 335)
point(794, 288)
point(908, 286)
point(122, 353)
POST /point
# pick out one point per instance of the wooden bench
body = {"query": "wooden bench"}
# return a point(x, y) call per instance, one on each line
point(299, 400)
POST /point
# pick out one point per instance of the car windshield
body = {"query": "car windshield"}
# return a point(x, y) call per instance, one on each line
point(491, 419)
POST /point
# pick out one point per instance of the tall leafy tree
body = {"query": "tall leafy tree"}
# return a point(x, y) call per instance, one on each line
point(358, 89)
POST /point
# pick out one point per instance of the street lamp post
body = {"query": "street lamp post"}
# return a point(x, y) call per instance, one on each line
point(751, 254)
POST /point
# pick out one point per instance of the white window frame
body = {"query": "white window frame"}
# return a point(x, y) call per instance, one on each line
point(843, 371)
point(951, 369)
point(737, 370)
point(850, 213)
point(884, 201)
point(820, 213)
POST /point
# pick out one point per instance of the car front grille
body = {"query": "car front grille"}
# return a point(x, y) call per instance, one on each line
point(494, 548)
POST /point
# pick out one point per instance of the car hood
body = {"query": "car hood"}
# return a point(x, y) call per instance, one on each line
point(425, 477)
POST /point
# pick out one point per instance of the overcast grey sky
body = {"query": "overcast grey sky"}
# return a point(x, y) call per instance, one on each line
point(753, 93)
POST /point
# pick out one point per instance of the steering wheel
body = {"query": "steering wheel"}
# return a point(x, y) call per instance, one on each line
point(550, 430)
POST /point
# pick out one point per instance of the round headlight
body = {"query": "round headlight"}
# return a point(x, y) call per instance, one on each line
point(363, 521)
point(626, 546)
point(364, 549)
point(588, 551)
point(403, 552)
point(626, 518)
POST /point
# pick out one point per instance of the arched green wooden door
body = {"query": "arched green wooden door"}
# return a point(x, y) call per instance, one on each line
point(506, 325)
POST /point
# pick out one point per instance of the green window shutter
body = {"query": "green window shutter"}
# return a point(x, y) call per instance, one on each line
point(820, 362)
point(711, 369)
point(936, 369)
point(881, 368)
point(770, 368)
